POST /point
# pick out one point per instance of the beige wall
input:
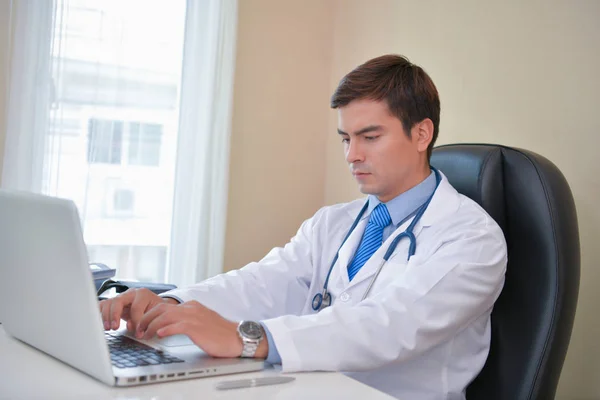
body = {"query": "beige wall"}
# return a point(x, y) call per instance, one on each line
point(279, 120)
point(4, 57)
point(520, 73)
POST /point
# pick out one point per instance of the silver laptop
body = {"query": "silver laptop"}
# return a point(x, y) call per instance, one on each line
point(48, 300)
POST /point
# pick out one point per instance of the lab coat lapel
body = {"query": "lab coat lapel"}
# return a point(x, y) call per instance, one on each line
point(445, 201)
point(349, 248)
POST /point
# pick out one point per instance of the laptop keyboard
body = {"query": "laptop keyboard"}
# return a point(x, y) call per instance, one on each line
point(128, 353)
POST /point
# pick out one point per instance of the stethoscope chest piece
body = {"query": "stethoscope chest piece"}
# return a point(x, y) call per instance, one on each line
point(321, 300)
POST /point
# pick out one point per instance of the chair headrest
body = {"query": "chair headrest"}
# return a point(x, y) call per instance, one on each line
point(476, 172)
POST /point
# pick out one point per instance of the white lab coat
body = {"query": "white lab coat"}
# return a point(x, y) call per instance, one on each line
point(424, 330)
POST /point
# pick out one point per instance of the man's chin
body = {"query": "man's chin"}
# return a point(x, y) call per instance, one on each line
point(365, 189)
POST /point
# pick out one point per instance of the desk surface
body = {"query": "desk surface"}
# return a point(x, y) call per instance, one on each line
point(26, 373)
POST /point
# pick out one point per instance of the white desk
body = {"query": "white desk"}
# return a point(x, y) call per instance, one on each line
point(26, 373)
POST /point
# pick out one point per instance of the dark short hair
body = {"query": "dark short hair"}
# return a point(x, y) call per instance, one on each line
point(408, 91)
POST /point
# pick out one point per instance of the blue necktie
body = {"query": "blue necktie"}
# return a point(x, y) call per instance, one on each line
point(371, 240)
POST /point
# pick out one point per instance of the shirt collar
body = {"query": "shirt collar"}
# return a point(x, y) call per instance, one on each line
point(403, 205)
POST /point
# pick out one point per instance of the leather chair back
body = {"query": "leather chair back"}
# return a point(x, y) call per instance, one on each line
point(532, 320)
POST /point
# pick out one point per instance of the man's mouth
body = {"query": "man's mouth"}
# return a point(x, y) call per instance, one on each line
point(359, 174)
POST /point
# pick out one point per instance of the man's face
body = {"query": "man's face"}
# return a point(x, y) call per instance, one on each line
point(382, 159)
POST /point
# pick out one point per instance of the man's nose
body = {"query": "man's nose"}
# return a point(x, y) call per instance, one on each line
point(353, 152)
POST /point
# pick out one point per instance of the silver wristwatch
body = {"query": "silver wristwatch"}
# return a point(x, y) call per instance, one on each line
point(251, 334)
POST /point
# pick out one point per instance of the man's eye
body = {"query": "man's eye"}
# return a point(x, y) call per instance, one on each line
point(345, 140)
point(370, 138)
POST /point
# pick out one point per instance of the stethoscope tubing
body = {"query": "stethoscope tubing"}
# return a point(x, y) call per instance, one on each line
point(323, 299)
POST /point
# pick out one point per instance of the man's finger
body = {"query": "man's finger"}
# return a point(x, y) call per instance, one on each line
point(176, 328)
point(116, 307)
point(138, 308)
point(150, 316)
point(125, 315)
point(163, 319)
point(105, 312)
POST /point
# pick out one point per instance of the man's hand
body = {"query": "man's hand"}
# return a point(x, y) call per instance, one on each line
point(129, 306)
point(214, 334)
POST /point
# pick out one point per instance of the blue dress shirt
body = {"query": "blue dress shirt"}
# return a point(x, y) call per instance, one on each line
point(401, 208)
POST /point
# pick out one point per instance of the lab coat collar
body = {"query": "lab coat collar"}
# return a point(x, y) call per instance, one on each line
point(445, 201)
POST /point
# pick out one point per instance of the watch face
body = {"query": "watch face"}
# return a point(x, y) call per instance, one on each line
point(251, 330)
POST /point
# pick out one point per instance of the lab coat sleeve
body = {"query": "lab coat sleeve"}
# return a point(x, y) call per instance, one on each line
point(429, 304)
point(276, 285)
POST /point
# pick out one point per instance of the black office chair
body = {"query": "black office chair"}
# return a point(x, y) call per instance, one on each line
point(532, 320)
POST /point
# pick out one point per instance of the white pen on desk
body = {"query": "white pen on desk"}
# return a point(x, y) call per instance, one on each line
point(246, 383)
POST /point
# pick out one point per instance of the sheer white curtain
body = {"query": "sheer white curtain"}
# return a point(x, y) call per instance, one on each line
point(28, 95)
point(124, 106)
point(205, 125)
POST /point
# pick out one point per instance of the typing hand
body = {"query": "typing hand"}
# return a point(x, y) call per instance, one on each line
point(214, 334)
point(130, 306)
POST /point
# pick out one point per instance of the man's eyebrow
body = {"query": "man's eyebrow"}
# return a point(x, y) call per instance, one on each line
point(370, 128)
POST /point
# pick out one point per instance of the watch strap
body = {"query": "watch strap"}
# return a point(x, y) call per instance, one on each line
point(249, 345)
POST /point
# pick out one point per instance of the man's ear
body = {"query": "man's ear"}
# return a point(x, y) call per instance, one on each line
point(422, 133)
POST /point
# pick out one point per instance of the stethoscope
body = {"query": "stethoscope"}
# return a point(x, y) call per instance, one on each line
point(323, 300)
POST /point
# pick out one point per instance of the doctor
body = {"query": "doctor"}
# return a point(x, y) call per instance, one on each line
point(395, 289)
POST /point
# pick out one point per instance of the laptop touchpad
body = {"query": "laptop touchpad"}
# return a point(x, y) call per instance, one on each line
point(173, 341)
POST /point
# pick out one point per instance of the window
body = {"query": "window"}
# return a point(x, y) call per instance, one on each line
point(96, 95)
point(105, 141)
point(144, 144)
point(114, 125)
point(118, 202)
point(123, 201)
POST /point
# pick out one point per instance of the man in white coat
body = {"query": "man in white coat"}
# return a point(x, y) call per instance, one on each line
point(410, 317)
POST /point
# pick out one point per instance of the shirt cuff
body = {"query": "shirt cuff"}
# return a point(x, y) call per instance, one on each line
point(273, 357)
point(170, 296)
